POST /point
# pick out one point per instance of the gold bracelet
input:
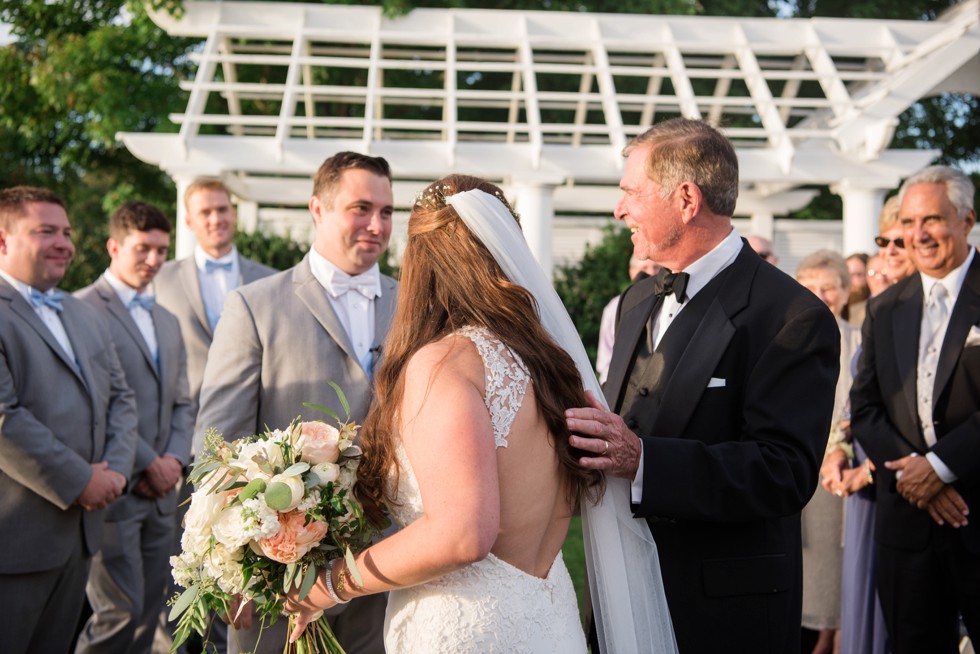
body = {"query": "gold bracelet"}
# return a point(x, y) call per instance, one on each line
point(867, 471)
point(342, 581)
point(327, 582)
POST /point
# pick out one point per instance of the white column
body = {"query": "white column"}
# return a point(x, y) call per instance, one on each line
point(862, 204)
point(535, 203)
point(248, 216)
point(763, 224)
point(184, 239)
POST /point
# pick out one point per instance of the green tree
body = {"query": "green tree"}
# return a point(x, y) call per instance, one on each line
point(587, 285)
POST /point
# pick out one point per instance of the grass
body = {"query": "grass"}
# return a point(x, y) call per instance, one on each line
point(573, 551)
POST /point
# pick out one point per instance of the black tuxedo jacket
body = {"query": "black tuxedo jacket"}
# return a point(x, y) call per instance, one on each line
point(734, 415)
point(885, 417)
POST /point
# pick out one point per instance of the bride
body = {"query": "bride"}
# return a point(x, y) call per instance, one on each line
point(467, 448)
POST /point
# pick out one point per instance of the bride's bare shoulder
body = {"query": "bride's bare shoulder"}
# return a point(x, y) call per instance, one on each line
point(450, 360)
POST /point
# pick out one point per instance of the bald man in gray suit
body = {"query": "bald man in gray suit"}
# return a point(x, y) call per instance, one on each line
point(283, 338)
point(67, 428)
point(127, 584)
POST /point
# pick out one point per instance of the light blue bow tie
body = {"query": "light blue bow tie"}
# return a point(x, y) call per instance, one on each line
point(52, 299)
point(366, 285)
point(210, 266)
point(143, 300)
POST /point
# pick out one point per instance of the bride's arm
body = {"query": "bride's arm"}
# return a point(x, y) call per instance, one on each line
point(448, 437)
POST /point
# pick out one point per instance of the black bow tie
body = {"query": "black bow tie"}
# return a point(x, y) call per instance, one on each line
point(668, 282)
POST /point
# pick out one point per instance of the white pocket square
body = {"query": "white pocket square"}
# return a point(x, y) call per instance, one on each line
point(973, 338)
point(716, 382)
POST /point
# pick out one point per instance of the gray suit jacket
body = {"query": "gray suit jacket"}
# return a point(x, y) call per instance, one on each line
point(178, 291)
point(163, 401)
point(278, 344)
point(56, 419)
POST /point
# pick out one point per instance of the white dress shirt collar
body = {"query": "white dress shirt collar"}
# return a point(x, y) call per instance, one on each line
point(125, 292)
point(201, 257)
point(953, 281)
point(326, 272)
point(708, 266)
point(21, 287)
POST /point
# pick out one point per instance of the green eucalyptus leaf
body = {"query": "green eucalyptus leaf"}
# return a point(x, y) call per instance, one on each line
point(183, 602)
point(341, 397)
point(352, 566)
point(278, 496)
point(296, 469)
point(252, 489)
point(287, 580)
point(319, 407)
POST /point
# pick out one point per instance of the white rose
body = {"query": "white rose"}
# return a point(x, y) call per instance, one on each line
point(262, 449)
point(326, 472)
point(224, 565)
point(199, 519)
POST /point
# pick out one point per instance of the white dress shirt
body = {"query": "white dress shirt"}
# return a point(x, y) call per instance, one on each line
point(700, 273)
point(142, 317)
point(50, 317)
point(354, 308)
point(216, 284)
point(929, 357)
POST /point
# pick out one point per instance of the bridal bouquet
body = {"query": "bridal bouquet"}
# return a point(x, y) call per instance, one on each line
point(268, 513)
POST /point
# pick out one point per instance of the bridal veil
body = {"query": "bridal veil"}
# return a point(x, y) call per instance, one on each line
point(623, 567)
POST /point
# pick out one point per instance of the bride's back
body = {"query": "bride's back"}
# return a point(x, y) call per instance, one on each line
point(531, 504)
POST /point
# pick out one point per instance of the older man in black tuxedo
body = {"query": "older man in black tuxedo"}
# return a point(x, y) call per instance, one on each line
point(724, 376)
point(916, 411)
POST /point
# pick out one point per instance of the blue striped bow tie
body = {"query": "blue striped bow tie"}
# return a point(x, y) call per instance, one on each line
point(143, 300)
point(210, 266)
point(51, 299)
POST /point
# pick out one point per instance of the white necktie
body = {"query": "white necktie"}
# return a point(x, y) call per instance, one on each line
point(934, 320)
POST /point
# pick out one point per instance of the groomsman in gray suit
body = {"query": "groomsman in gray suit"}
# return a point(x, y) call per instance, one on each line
point(283, 338)
point(67, 427)
point(128, 580)
point(194, 290)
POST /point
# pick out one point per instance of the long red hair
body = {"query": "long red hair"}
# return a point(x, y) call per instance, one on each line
point(450, 280)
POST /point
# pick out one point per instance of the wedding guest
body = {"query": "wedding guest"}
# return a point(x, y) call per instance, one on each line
point(878, 279)
point(67, 427)
point(763, 247)
point(128, 579)
point(638, 269)
point(283, 338)
point(826, 274)
point(891, 244)
point(915, 405)
point(849, 473)
point(857, 266)
point(724, 376)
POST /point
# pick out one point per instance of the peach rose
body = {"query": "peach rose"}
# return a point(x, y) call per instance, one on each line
point(294, 539)
point(321, 443)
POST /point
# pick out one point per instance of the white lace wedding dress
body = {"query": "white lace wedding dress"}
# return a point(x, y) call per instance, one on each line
point(489, 606)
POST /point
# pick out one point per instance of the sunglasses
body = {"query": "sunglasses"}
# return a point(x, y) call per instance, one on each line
point(883, 242)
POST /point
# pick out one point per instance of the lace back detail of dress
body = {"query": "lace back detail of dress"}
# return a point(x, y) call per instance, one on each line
point(506, 380)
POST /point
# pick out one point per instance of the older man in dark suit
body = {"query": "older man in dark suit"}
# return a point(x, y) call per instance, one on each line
point(724, 376)
point(916, 411)
point(67, 428)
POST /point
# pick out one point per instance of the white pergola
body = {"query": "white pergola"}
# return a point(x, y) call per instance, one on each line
point(544, 102)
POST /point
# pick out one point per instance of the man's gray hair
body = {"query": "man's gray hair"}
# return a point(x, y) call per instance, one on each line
point(959, 187)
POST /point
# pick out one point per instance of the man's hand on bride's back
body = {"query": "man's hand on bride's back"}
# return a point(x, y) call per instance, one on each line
point(607, 442)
